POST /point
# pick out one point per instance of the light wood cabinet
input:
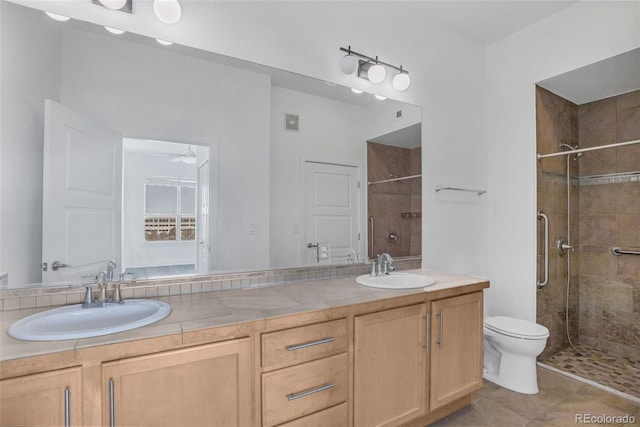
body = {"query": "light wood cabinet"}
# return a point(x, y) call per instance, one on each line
point(304, 343)
point(390, 362)
point(205, 385)
point(49, 398)
point(456, 348)
point(305, 378)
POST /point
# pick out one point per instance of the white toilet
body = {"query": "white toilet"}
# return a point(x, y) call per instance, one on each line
point(510, 350)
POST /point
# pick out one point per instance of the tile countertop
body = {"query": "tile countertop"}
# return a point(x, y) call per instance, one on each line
point(212, 309)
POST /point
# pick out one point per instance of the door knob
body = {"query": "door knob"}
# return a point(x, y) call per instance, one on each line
point(57, 264)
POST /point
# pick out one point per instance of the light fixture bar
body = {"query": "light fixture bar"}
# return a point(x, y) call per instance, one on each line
point(375, 60)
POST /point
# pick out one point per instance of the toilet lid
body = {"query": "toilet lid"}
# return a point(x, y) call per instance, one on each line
point(516, 327)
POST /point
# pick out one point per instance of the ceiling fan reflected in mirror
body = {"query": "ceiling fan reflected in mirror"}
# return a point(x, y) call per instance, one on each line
point(188, 157)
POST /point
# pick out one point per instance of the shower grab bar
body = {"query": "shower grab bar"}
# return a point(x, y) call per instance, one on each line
point(619, 251)
point(470, 190)
point(371, 236)
point(543, 283)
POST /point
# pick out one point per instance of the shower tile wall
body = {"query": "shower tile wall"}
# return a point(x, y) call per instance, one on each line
point(610, 216)
point(556, 123)
point(394, 206)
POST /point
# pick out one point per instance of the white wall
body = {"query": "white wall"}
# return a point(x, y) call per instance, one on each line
point(576, 36)
point(30, 54)
point(136, 252)
point(136, 91)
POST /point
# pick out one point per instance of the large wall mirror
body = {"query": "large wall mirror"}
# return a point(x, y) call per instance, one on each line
point(170, 160)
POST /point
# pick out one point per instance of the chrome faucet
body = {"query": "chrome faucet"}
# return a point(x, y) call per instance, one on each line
point(111, 266)
point(381, 266)
point(385, 263)
point(101, 282)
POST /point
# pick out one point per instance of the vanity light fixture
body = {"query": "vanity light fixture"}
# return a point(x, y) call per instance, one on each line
point(380, 97)
point(164, 42)
point(113, 4)
point(349, 63)
point(167, 11)
point(401, 81)
point(120, 5)
point(57, 17)
point(373, 69)
point(354, 90)
point(115, 31)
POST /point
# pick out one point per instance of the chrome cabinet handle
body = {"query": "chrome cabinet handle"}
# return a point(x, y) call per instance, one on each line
point(428, 333)
point(57, 264)
point(309, 344)
point(323, 387)
point(112, 415)
point(440, 332)
point(67, 407)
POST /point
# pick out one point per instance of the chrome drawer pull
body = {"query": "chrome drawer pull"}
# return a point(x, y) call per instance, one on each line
point(67, 407)
point(309, 344)
point(112, 409)
point(294, 396)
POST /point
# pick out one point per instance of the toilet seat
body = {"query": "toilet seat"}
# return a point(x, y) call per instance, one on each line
point(516, 328)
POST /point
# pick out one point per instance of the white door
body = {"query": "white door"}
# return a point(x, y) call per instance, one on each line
point(203, 218)
point(331, 212)
point(82, 195)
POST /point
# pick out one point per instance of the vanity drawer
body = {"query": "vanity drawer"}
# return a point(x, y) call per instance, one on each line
point(293, 392)
point(305, 343)
point(336, 416)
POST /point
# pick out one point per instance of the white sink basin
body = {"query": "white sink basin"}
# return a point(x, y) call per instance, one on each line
point(72, 322)
point(396, 280)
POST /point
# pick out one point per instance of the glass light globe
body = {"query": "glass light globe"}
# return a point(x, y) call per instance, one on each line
point(376, 73)
point(349, 64)
point(380, 97)
point(113, 4)
point(167, 11)
point(354, 90)
point(57, 17)
point(401, 82)
point(115, 31)
point(164, 42)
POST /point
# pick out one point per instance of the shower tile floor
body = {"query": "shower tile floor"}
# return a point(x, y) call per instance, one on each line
point(608, 368)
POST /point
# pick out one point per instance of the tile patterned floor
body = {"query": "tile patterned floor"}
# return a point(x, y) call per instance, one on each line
point(601, 366)
point(560, 402)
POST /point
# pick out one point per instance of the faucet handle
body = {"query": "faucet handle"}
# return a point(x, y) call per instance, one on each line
point(117, 296)
point(88, 297)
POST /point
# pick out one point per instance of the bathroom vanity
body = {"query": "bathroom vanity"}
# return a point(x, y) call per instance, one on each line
point(328, 352)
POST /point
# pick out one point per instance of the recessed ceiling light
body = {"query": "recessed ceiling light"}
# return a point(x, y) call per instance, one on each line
point(57, 17)
point(115, 31)
point(164, 42)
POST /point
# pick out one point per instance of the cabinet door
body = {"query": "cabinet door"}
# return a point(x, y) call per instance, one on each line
point(390, 384)
point(456, 355)
point(50, 398)
point(206, 385)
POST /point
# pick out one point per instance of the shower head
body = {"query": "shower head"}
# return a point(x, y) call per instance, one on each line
point(567, 147)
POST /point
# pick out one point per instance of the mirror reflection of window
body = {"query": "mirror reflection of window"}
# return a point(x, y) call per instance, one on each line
point(169, 210)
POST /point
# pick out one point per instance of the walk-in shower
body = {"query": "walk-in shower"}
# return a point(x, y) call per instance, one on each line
point(588, 186)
